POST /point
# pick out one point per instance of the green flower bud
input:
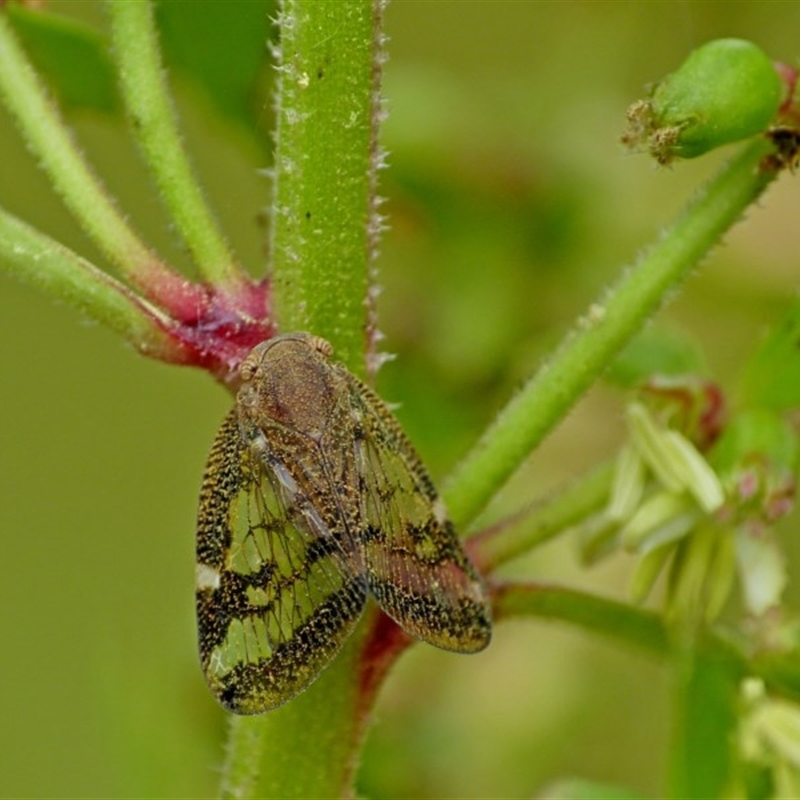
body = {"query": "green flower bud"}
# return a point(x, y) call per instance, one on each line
point(665, 517)
point(628, 486)
point(725, 91)
point(646, 572)
point(701, 576)
point(674, 460)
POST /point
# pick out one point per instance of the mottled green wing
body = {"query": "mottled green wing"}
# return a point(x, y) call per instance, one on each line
point(416, 567)
point(277, 593)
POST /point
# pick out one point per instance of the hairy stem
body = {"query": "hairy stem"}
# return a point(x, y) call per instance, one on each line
point(48, 138)
point(324, 217)
point(643, 629)
point(602, 332)
point(155, 126)
point(38, 260)
point(323, 237)
point(518, 534)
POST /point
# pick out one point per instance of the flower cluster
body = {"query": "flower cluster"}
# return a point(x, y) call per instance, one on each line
point(698, 498)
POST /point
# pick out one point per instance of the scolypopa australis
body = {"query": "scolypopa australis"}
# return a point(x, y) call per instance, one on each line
point(313, 499)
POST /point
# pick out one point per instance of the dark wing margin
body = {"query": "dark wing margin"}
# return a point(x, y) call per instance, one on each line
point(276, 595)
point(415, 564)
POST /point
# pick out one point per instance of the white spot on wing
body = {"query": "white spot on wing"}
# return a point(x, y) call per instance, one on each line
point(206, 577)
point(439, 511)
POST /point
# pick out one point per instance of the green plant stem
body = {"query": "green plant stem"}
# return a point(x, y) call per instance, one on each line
point(324, 225)
point(154, 124)
point(242, 764)
point(530, 527)
point(621, 621)
point(602, 332)
point(324, 216)
point(50, 142)
point(39, 260)
point(646, 630)
point(706, 711)
point(304, 748)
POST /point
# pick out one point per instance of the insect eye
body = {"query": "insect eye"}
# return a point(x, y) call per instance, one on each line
point(247, 369)
point(322, 346)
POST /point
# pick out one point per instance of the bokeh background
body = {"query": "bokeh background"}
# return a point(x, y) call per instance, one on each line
point(511, 206)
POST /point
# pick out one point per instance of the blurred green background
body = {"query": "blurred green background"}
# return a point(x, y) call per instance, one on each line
point(511, 206)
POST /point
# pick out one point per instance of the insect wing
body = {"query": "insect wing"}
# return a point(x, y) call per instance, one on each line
point(416, 567)
point(276, 594)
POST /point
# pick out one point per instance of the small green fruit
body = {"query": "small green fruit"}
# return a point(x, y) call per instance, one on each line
point(725, 91)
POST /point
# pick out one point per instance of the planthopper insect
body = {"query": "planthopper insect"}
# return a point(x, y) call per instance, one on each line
point(313, 499)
